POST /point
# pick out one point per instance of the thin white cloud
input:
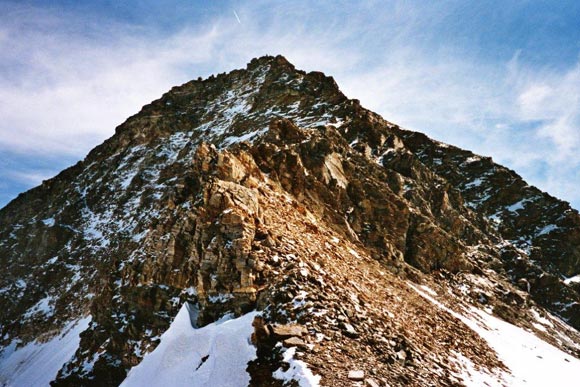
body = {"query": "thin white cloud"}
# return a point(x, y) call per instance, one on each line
point(555, 101)
point(66, 92)
point(29, 177)
point(533, 99)
point(73, 91)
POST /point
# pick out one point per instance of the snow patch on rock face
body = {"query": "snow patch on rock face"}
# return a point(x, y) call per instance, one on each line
point(520, 205)
point(547, 229)
point(49, 222)
point(214, 355)
point(44, 307)
point(220, 298)
point(250, 136)
point(572, 280)
point(531, 361)
point(37, 363)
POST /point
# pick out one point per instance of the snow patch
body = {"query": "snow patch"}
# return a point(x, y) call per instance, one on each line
point(471, 375)
point(221, 298)
point(547, 229)
point(520, 205)
point(543, 321)
point(572, 280)
point(228, 141)
point(475, 183)
point(190, 291)
point(44, 307)
point(495, 218)
point(471, 160)
point(36, 363)
point(215, 355)
point(48, 222)
point(297, 371)
point(429, 290)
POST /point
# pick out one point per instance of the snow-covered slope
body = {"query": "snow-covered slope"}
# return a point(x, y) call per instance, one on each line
point(38, 362)
point(530, 361)
point(215, 355)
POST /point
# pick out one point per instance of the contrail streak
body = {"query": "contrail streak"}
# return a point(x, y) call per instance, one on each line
point(237, 17)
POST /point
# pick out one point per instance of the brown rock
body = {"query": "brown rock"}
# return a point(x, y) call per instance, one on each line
point(261, 330)
point(286, 331)
point(295, 342)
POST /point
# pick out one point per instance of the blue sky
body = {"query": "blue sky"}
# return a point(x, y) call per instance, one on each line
point(499, 78)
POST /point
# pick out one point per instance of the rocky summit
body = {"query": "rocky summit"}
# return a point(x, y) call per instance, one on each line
point(260, 228)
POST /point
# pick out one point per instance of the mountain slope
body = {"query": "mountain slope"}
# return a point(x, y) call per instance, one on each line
point(267, 189)
point(546, 229)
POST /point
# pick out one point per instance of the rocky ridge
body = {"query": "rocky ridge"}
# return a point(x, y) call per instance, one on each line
point(266, 188)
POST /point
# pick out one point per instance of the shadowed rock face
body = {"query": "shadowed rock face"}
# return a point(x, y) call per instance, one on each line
point(267, 188)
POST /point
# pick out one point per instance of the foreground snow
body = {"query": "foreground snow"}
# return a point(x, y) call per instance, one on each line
point(531, 361)
point(215, 355)
point(37, 364)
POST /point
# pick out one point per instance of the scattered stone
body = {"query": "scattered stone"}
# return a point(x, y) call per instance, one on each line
point(349, 330)
point(371, 383)
point(295, 342)
point(402, 355)
point(286, 331)
point(357, 375)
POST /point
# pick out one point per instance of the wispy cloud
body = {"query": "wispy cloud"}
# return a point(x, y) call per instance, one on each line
point(69, 92)
point(29, 177)
point(61, 92)
point(553, 98)
point(66, 80)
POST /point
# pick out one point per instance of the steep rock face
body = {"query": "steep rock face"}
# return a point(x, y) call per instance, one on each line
point(543, 232)
point(266, 188)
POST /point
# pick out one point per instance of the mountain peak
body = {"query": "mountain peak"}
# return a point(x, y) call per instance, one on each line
point(239, 105)
point(356, 248)
point(273, 61)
